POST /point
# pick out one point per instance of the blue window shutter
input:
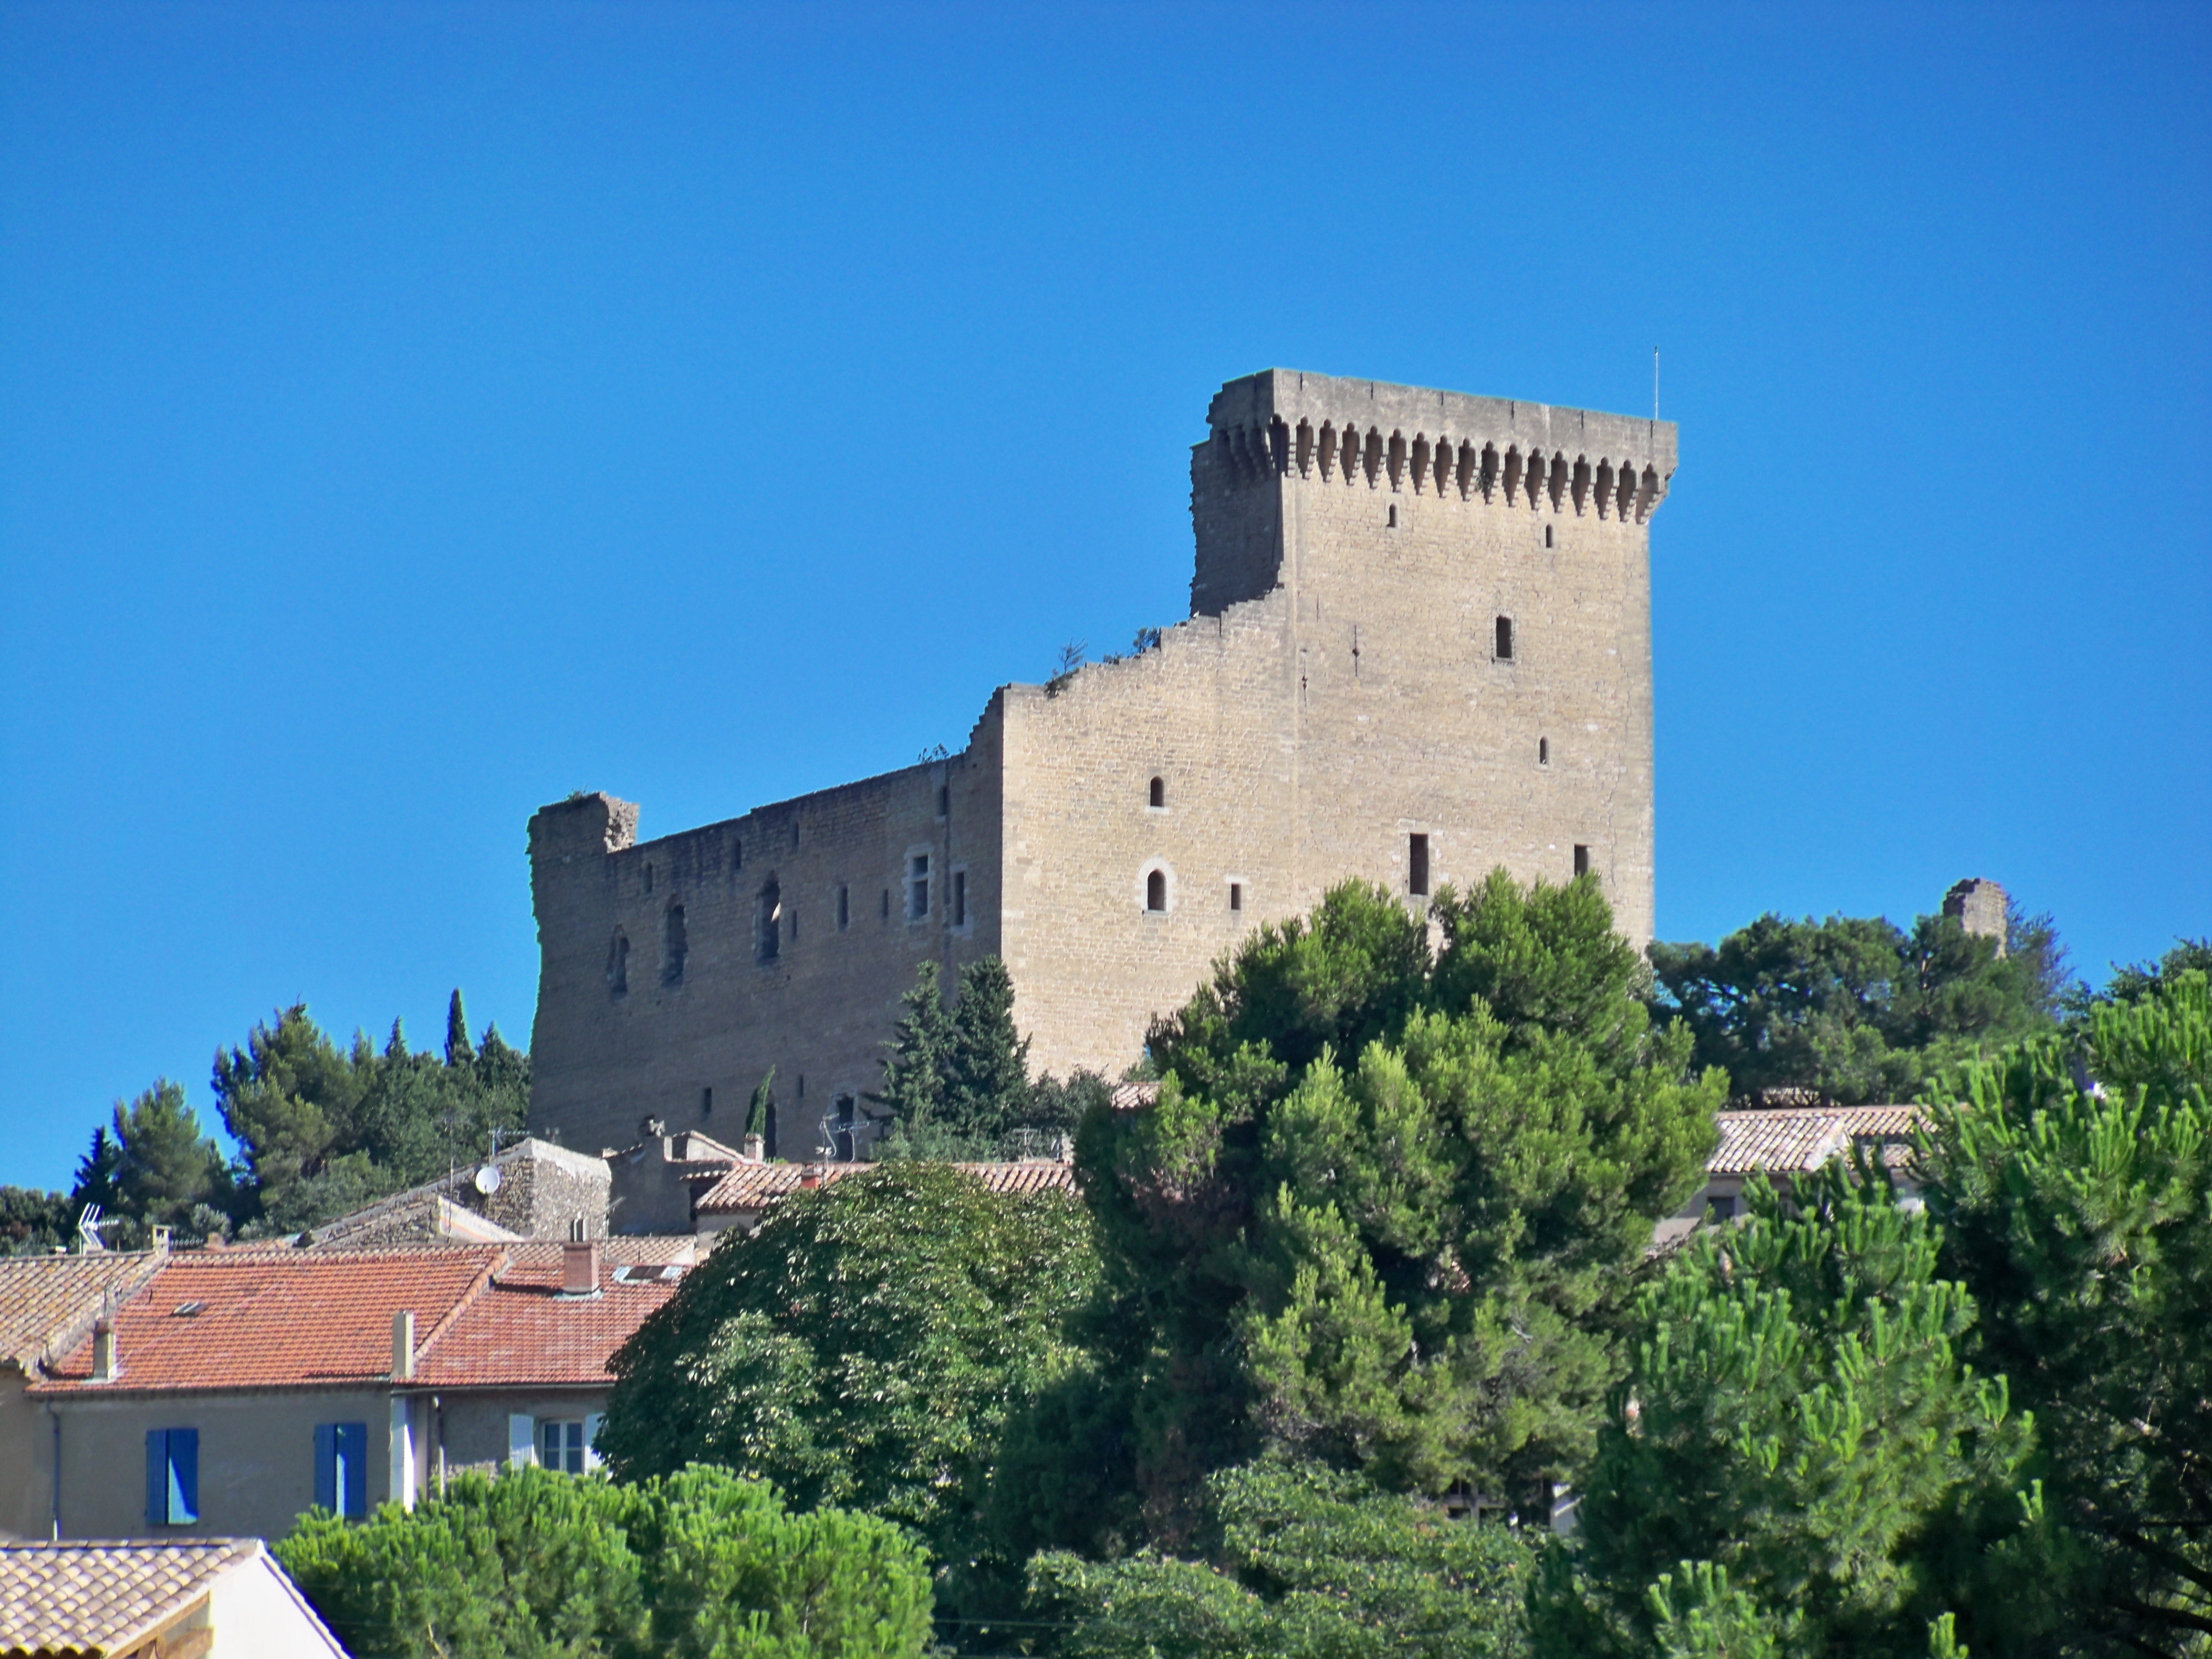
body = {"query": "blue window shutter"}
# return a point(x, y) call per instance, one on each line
point(326, 1466)
point(157, 1477)
point(184, 1474)
point(353, 1440)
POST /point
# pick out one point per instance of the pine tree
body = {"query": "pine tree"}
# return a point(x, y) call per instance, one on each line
point(1800, 1415)
point(921, 1045)
point(986, 1079)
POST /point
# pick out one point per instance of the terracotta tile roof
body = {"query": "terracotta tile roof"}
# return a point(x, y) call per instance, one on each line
point(277, 1320)
point(621, 1250)
point(522, 1331)
point(1134, 1097)
point(47, 1303)
point(1800, 1139)
point(67, 1601)
point(751, 1187)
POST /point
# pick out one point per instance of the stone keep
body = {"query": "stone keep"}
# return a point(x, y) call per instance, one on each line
point(1419, 647)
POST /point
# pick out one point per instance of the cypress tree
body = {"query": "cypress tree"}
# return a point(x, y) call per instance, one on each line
point(920, 1055)
point(457, 1052)
point(987, 1078)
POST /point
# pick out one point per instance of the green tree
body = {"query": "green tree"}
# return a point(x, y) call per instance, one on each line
point(865, 1347)
point(1800, 1451)
point(956, 1082)
point(1384, 1209)
point(920, 1057)
point(324, 1130)
point(1308, 1563)
point(987, 1078)
point(1853, 1009)
point(33, 1222)
point(540, 1566)
point(158, 1165)
point(2080, 1219)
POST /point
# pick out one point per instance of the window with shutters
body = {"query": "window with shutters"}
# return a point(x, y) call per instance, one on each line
point(341, 1468)
point(173, 1477)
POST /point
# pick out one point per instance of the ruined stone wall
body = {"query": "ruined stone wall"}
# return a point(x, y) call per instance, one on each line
point(1337, 690)
point(621, 1036)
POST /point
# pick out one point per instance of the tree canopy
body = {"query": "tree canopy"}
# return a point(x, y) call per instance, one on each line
point(1381, 1215)
point(533, 1564)
point(865, 1346)
point(955, 1080)
point(1853, 1008)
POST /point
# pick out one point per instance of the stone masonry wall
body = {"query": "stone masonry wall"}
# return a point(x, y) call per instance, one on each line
point(1337, 691)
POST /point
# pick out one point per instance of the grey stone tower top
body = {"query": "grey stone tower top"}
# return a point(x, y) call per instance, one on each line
point(1979, 906)
point(1271, 433)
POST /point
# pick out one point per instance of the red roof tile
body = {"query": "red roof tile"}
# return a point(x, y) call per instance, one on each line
point(750, 1187)
point(278, 1321)
point(522, 1331)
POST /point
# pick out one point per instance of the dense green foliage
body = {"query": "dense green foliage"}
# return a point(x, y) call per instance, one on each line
point(1308, 1563)
point(33, 1222)
point(865, 1346)
point(1854, 1009)
point(956, 1081)
point(2082, 1222)
point(1382, 1215)
point(322, 1130)
point(539, 1566)
point(1797, 1415)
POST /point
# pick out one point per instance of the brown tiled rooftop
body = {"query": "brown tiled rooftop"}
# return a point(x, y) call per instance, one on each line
point(750, 1187)
point(521, 1330)
point(225, 1319)
point(88, 1601)
point(1799, 1140)
point(47, 1303)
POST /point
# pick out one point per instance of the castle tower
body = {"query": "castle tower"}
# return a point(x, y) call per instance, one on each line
point(1419, 649)
point(1979, 906)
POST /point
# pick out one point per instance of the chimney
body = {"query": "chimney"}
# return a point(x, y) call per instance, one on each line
point(579, 1269)
point(756, 1149)
point(809, 1175)
point(107, 1365)
point(403, 1346)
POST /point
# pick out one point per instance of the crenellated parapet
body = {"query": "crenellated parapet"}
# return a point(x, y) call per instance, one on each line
point(1315, 428)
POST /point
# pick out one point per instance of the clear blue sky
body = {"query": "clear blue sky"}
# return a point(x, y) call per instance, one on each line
point(409, 414)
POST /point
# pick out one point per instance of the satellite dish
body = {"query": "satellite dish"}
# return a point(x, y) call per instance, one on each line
point(488, 1179)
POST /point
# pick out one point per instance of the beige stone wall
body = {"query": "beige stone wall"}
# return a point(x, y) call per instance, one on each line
point(688, 1051)
point(1336, 692)
point(257, 1458)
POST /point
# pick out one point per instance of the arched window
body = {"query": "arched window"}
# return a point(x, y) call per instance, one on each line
point(1156, 890)
point(1159, 797)
point(768, 922)
point(618, 963)
point(674, 945)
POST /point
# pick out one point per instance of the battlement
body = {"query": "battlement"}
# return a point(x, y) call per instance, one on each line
point(1283, 423)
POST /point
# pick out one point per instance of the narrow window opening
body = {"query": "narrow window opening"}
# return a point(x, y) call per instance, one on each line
point(840, 1129)
point(1159, 795)
point(1416, 865)
point(1543, 751)
point(737, 856)
point(1548, 535)
point(1237, 895)
point(649, 878)
point(794, 922)
point(887, 904)
point(1393, 515)
point(959, 898)
point(706, 1103)
point(1505, 639)
point(944, 802)
point(917, 887)
point(675, 946)
point(844, 909)
point(1156, 890)
point(618, 963)
point(1581, 860)
point(768, 922)
point(767, 1133)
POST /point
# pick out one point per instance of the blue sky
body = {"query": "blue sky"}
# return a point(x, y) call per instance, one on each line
point(409, 414)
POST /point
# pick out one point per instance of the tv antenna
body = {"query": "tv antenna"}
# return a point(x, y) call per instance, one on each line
point(88, 1223)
